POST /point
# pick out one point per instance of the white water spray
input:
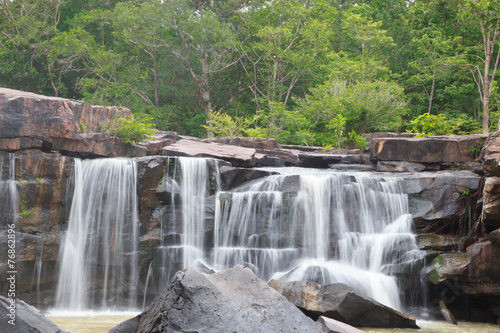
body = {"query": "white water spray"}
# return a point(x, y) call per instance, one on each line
point(98, 258)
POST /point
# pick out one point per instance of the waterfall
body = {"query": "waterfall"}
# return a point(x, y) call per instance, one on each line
point(8, 190)
point(188, 181)
point(98, 256)
point(318, 226)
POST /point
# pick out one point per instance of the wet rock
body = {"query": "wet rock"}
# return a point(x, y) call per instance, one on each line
point(435, 195)
point(233, 177)
point(399, 167)
point(353, 167)
point(448, 266)
point(324, 159)
point(27, 318)
point(437, 242)
point(432, 149)
point(340, 302)
point(447, 313)
point(234, 300)
point(329, 325)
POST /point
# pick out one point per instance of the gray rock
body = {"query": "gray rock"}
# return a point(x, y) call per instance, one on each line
point(128, 326)
point(28, 319)
point(390, 166)
point(329, 325)
point(340, 302)
point(233, 177)
point(353, 167)
point(234, 300)
point(326, 158)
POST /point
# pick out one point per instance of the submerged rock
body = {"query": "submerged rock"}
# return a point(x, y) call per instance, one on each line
point(26, 318)
point(234, 300)
point(329, 325)
point(340, 302)
point(447, 313)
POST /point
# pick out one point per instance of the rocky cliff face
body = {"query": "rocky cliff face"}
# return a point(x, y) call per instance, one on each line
point(43, 134)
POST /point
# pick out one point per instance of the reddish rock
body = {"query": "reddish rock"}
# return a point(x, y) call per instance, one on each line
point(483, 267)
point(237, 156)
point(494, 236)
point(26, 114)
point(490, 155)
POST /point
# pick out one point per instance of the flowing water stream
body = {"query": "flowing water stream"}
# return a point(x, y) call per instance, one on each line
point(298, 224)
point(98, 256)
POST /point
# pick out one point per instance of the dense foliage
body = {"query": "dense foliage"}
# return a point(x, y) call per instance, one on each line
point(319, 72)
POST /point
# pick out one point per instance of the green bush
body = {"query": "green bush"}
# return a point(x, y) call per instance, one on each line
point(442, 124)
point(133, 129)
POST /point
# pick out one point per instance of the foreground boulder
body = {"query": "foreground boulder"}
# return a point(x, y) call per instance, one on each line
point(340, 302)
point(27, 319)
point(234, 300)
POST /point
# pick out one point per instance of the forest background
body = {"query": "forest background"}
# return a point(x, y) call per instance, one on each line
point(318, 72)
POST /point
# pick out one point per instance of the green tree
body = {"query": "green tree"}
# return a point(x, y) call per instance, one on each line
point(283, 43)
point(486, 13)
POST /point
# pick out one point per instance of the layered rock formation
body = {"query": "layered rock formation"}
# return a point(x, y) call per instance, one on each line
point(43, 133)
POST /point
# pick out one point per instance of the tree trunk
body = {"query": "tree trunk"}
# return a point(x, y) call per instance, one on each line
point(155, 70)
point(205, 91)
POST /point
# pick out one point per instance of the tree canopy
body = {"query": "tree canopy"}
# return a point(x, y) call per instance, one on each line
point(319, 72)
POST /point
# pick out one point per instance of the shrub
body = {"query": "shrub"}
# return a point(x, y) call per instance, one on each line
point(133, 129)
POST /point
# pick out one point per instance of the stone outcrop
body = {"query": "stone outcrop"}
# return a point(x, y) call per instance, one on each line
point(26, 318)
point(234, 300)
point(31, 121)
point(435, 196)
point(433, 150)
point(237, 156)
point(340, 302)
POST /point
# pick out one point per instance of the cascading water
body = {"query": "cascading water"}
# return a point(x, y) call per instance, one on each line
point(189, 181)
point(98, 257)
point(317, 226)
point(8, 190)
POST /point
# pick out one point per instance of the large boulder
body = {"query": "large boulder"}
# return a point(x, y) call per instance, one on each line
point(234, 300)
point(17, 316)
point(453, 149)
point(29, 121)
point(340, 302)
point(434, 196)
point(25, 114)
